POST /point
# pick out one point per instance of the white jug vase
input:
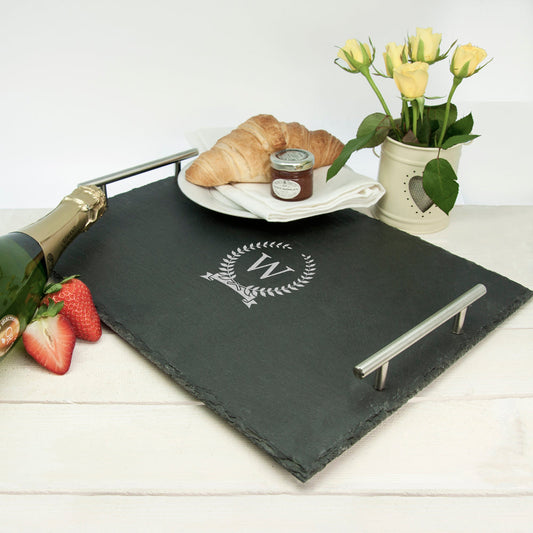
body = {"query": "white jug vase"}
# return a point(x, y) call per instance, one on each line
point(405, 204)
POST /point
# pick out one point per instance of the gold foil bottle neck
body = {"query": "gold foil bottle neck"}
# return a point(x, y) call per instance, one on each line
point(90, 199)
point(74, 214)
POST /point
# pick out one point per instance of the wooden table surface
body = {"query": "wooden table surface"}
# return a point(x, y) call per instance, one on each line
point(115, 445)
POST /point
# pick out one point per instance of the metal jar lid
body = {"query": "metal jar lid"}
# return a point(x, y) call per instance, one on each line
point(292, 160)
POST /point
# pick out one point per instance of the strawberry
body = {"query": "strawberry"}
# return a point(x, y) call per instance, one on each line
point(50, 339)
point(78, 307)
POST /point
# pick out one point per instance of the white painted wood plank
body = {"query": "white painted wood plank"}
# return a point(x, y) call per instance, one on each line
point(106, 371)
point(522, 318)
point(110, 371)
point(439, 448)
point(130, 449)
point(453, 447)
point(15, 219)
point(498, 238)
point(265, 514)
point(500, 365)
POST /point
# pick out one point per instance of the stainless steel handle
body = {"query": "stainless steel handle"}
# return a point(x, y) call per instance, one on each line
point(380, 360)
point(145, 167)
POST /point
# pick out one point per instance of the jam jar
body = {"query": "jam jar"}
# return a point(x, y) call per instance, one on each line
point(292, 174)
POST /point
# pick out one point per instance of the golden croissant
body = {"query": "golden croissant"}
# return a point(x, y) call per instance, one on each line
point(244, 154)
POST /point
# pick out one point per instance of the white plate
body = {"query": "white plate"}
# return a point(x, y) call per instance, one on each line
point(214, 200)
point(210, 198)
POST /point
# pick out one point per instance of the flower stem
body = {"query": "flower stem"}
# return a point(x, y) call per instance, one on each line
point(455, 84)
point(415, 116)
point(366, 73)
point(405, 112)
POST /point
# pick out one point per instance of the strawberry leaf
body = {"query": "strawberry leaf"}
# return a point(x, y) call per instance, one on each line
point(48, 310)
point(56, 287)
point(70, 277)
point(52, 287)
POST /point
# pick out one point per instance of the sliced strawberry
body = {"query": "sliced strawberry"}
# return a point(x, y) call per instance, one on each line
point(78, 307)
point(50, 339)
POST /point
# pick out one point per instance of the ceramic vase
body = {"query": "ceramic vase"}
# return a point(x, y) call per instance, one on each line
point(405, 204)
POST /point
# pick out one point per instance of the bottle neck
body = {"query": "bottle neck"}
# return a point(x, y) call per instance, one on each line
point(74, 214)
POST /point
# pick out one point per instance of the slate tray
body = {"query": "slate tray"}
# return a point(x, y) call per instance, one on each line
point(315, 298)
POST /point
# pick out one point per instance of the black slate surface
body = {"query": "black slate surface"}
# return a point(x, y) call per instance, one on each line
point(276, 361)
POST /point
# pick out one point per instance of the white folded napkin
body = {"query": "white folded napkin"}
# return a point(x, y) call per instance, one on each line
point(346, 190)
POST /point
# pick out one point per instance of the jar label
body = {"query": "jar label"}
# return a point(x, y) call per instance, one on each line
point(286, 189)
point(293, 155)
point(9, 332)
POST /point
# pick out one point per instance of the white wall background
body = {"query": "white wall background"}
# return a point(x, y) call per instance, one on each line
point(91, 87)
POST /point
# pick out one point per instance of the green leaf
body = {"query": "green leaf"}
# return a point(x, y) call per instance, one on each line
point(434, 128)
point(424, 132)
point(440, 183)
point(349, 148)
point(55, 287)
point(48, 310)
point(377, 125)
point(437, 112)
point(457, 139)
point(436, 115)
point(462, 127)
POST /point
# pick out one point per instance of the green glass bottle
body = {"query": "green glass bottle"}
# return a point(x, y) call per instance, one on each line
point(27, 257)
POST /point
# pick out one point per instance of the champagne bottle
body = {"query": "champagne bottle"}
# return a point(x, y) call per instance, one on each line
point(27, 257)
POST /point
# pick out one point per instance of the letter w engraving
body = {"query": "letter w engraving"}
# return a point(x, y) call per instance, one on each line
point(270, 267)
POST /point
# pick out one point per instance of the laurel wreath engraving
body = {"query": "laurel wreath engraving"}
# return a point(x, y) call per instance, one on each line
point(227, 269)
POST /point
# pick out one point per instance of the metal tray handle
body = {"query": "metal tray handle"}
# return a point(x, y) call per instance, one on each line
point(380, 360)
point(145, 167)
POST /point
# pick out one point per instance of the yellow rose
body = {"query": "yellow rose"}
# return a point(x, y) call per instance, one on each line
point(356, 54)
point(466, 59)
point(411, 79)
point(394, 56)
point(425, 45)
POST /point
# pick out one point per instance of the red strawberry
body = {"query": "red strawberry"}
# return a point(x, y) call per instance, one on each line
point(78, 307)
point(50, 339)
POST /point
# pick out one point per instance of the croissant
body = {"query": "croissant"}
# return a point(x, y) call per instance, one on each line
point(244, 154)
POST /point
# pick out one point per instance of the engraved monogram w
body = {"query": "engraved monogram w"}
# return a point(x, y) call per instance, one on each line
point(270, 267)
point(226, 274)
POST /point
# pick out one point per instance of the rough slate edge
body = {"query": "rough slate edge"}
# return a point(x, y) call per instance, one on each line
point(392, 401)
point(210, 400)
point(424, 381)
point(346, 441)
